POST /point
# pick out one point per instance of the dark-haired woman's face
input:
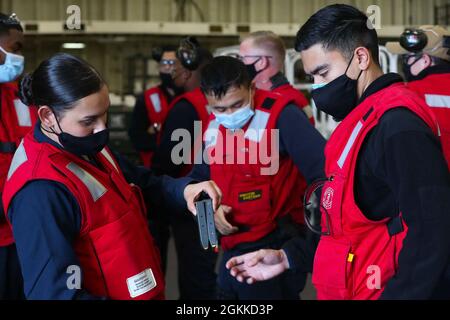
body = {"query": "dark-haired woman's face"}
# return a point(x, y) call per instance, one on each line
point(88, 116)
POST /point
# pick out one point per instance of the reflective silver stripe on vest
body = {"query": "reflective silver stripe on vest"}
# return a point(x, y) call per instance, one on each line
point(96, 189)
point(437, 101)
point(349, 144)
point(23, 113)
point(156, 102)
point(109, 158)
point(256, 128)
point(211, 134)
point(20, 157)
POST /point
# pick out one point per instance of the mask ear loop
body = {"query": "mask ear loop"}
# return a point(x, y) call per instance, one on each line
point(52, 130)
point(348, 67)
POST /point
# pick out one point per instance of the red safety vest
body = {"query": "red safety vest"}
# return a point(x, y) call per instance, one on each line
point(435, 89)
point(257, 194)
point(117, 254)
point(198, 100)
point(359, 256)
point(16, 120)
point(288, 91)
point(157, 106)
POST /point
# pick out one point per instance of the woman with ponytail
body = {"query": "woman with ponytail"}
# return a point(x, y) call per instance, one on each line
point(76, 207)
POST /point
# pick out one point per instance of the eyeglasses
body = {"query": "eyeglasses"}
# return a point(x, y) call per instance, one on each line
point(167, 62)
point(313, 208)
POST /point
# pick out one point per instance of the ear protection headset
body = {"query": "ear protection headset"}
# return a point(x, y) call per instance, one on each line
point(414, 40)
point(188, 54)
point(157, 54)
point(12, 20)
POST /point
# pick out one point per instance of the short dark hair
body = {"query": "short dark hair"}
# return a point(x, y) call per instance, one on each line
point(59, 82)
point(6, 24)
point(169, 48)
point(339, 27)
point(223, 73)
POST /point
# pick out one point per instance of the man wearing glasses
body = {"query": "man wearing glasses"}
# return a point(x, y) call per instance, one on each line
point(151, 108)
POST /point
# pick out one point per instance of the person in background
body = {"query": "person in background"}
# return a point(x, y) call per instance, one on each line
point(426, 64)
point(76, 208)
point(196, 267)
point(152, 106)
point(16, 119)
point(149, 115)
point(264, 53)
point(386, 200)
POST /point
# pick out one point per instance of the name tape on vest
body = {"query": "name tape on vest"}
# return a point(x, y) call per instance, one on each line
point(250, 196)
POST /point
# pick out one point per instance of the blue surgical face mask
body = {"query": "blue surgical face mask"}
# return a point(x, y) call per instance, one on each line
point(237, 119)
point(12, 68)
point(316, 86)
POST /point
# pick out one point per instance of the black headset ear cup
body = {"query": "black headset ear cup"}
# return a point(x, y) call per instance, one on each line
point(157, 54)
point(187, 53)
point(414, 40)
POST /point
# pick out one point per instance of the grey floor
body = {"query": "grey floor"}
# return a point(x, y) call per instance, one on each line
point(171, 278)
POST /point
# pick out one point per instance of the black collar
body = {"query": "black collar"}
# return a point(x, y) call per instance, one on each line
point(278, 80)
point(42, 138)
point(379, 84)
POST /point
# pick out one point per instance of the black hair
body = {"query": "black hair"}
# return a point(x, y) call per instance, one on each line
point(204, 57)
point(223, 73)
point(6, 24)
point(169, 48)
point(339, 27)
point(59, 82)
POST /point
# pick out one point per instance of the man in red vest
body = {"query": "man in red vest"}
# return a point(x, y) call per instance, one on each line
point(264, 53)
point(16, 120)
point(151, 108)
point(196, 276)
point(386, 200)
point(426, 64)
point(252, 152)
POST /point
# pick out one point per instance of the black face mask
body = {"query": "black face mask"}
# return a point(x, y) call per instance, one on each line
point(407, 68)
point(251, 70)
point(167, 82)
point(339, 97)
point(82, 146)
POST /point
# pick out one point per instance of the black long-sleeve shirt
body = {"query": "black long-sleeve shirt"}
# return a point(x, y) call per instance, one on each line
point(401, 168)
point(141, 139)
point(182, 116)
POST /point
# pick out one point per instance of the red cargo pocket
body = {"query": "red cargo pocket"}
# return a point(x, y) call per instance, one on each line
point(251, 203)
point(332, 270)
point(128, 258)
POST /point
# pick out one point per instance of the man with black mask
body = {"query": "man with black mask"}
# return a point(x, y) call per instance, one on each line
point(386, 201)
point(426, 64)
point(151, 107)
